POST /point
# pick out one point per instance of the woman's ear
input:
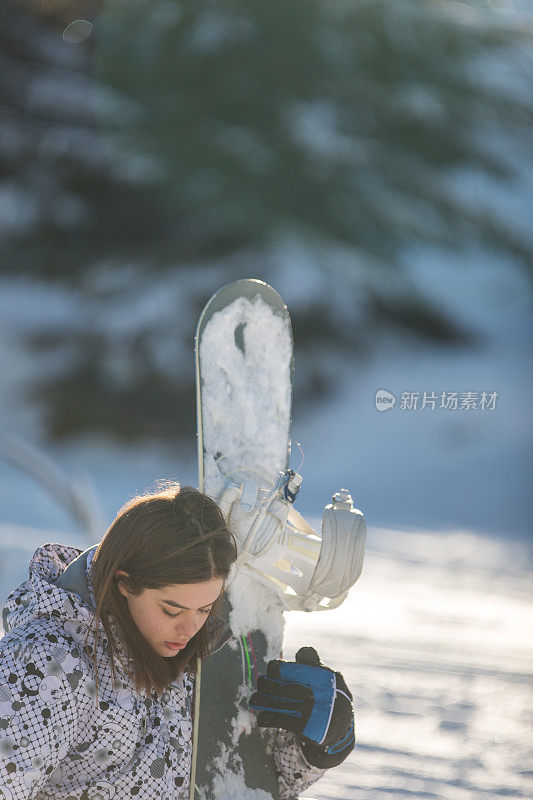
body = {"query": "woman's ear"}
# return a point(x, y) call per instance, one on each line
point(118, 574)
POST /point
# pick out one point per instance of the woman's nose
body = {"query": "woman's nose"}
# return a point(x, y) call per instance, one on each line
point(191, 625)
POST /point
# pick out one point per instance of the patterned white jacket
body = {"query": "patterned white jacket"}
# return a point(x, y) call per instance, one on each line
point(55, 742)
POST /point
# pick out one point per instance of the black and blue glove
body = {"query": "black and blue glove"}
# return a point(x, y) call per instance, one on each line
point(310, 700)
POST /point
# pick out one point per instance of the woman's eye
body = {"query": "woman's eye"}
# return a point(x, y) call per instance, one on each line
point(204, 612)
point(169, 614)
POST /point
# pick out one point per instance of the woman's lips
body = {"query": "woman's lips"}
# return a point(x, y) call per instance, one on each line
point(175, 645)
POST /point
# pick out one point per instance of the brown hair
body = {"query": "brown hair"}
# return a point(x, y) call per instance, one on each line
point(170, 536)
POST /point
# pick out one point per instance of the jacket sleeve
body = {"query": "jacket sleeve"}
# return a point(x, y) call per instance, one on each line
point(38, 715)
point(295, 774)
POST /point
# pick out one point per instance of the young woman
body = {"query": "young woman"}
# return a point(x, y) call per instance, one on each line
point(97, 666)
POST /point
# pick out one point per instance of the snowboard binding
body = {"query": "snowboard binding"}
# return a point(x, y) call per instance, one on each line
point(309, 571)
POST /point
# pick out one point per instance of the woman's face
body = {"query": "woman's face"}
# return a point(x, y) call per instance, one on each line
point(169, 617)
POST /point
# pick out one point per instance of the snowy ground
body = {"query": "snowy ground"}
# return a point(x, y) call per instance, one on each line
point(435, 642)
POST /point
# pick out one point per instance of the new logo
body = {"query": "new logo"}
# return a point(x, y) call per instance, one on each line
point(384, 400)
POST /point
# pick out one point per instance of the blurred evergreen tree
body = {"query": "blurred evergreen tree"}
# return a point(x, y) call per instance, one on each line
point(182, 145)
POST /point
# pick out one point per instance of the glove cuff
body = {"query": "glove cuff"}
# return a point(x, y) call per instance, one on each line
point(318, 756)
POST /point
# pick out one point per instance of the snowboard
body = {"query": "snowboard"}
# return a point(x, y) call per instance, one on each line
point(244, 364)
